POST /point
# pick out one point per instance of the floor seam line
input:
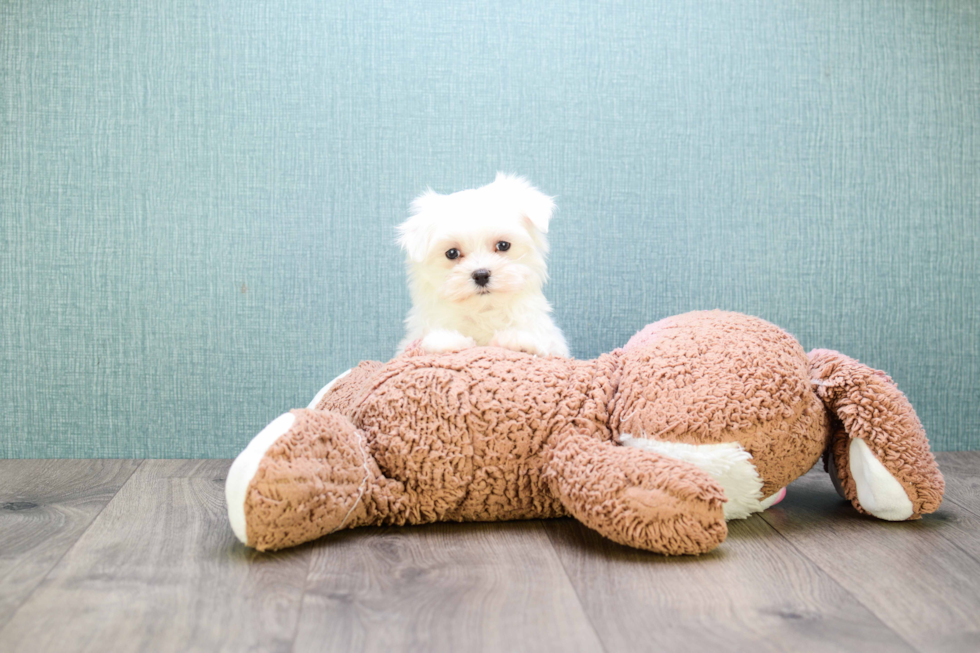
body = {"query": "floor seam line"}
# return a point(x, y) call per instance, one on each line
point(302, 600)
point(578, 598)
point(963, 506)
point(956, 544)
point(838, 584)
point(73, 545)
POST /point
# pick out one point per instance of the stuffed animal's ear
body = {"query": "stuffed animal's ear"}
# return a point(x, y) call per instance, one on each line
point(415, 234)
point(534, 205)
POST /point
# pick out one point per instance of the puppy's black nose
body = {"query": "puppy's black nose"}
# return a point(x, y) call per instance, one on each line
point(481, 277)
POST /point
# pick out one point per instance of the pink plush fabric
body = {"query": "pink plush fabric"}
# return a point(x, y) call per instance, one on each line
point(491, 434)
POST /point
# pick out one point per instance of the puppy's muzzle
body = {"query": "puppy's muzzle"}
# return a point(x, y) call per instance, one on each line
point(481, 277)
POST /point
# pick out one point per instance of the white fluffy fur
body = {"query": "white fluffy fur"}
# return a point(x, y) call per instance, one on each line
point(449, 310)
point(728, 463)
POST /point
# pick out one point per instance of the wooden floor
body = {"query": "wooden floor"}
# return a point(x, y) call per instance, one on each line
point(122, 555)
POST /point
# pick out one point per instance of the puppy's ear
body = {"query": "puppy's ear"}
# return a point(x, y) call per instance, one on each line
point(415, 234)
point(532, 203)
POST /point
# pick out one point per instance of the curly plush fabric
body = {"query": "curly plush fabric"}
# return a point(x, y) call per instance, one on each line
point(638, 498)
point(712, 377)
point(869, 406)
point(490, 434)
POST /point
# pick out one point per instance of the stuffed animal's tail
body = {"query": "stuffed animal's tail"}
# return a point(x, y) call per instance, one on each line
point(879, 456)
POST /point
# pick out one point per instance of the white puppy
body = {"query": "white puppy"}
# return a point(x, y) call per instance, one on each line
point(476, 266)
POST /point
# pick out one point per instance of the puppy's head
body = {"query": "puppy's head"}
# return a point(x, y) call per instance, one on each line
point(486, 243)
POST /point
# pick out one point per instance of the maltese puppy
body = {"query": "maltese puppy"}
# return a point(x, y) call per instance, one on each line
point(476, 266)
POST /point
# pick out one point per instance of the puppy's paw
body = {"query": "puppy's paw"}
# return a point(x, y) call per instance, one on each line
point(442, 341)
point(517, 340)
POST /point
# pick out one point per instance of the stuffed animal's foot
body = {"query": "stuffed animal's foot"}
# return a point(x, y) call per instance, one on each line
point(880, 458)
point(308, 473)
point(245, 466)
point(868, 483)
point(728, 463)
point(638, 498)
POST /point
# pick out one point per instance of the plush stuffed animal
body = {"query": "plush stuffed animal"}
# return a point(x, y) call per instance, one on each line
point(700, 418)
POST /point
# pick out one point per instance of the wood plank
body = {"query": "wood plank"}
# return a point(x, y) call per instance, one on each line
point(754, 593)
point(442, 587)
point(45, 506)
point(960, 514)
point(160, 569)
point(961, 470)
point(919, 577)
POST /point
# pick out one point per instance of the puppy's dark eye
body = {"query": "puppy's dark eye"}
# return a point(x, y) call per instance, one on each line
point(503, 246)
point(452, 254)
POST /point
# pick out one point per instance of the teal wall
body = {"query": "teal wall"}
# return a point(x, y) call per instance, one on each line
point(197, 199)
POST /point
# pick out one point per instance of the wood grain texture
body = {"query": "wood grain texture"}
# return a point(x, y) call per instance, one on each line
point(921, 578)
point(445, 587)
point(755, 593)
point(962, 473)
point(161, 570)
point(45, 506)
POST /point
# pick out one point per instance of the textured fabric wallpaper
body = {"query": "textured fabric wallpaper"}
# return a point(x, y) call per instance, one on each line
point(197, 198)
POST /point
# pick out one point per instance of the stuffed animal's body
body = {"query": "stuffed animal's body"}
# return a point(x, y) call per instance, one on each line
point(699, 418)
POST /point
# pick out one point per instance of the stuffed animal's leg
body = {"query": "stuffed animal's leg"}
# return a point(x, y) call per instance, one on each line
point(307, 474)
point(636, 497)
point(879, 456)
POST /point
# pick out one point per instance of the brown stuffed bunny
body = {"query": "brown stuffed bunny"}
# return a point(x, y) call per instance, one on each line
point(700, 417)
